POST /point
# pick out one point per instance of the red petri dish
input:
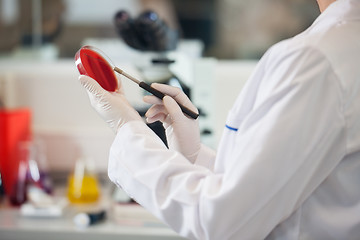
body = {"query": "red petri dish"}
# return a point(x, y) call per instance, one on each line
point(90, 62)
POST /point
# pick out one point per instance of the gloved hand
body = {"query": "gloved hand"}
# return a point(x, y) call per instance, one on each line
point(111, 106)
point(182, 132)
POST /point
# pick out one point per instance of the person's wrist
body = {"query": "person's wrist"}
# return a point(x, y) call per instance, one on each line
point(122, 125)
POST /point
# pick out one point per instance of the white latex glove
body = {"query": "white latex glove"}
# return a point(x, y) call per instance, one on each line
point(182, 132)
point(111, 106)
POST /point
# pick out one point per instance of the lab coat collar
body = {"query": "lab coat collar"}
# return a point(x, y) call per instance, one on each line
point(343, 10)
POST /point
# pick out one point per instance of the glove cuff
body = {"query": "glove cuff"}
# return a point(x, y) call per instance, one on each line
point(206, 157)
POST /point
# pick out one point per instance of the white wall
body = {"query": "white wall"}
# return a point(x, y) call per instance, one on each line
point(94, 12)
point(61, 113)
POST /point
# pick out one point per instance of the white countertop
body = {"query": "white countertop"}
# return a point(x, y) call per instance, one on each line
point(125, 222)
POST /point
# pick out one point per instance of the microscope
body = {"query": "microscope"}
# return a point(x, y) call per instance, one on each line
point(149, 34)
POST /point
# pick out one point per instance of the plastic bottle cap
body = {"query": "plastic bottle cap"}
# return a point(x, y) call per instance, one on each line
point(82, 220)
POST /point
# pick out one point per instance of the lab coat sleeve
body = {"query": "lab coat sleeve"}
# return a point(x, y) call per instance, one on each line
point(284, 148)
point(161, 180)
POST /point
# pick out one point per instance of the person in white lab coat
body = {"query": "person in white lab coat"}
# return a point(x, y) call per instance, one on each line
point(288, 163)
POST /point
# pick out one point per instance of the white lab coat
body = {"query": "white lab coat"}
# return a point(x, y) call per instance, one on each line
point(288, 164)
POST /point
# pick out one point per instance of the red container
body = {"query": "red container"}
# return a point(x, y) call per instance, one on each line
point(91, 62)
point(15, 127)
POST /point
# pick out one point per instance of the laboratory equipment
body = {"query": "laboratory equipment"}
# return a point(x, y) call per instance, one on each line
point(37, 175)
point(41, 204)
point(18, 194)
point(91, 62)
point(83, 186)
point(147, 32)
point(14, 128)
point(83, 220)
point(2, 192)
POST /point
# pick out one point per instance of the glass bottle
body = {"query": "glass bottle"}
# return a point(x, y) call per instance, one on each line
point(83, 185)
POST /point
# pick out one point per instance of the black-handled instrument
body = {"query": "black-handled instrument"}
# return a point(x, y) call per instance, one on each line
point(155, 92)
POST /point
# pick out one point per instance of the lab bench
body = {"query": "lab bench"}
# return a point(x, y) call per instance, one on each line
point(129, 225)
point(125, 221)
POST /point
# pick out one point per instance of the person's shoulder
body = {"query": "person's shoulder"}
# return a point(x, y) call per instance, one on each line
point(300, 42)
point(292, 50)
point(330, 39)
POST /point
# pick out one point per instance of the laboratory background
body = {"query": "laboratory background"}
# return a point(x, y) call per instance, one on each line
point(54, 147)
